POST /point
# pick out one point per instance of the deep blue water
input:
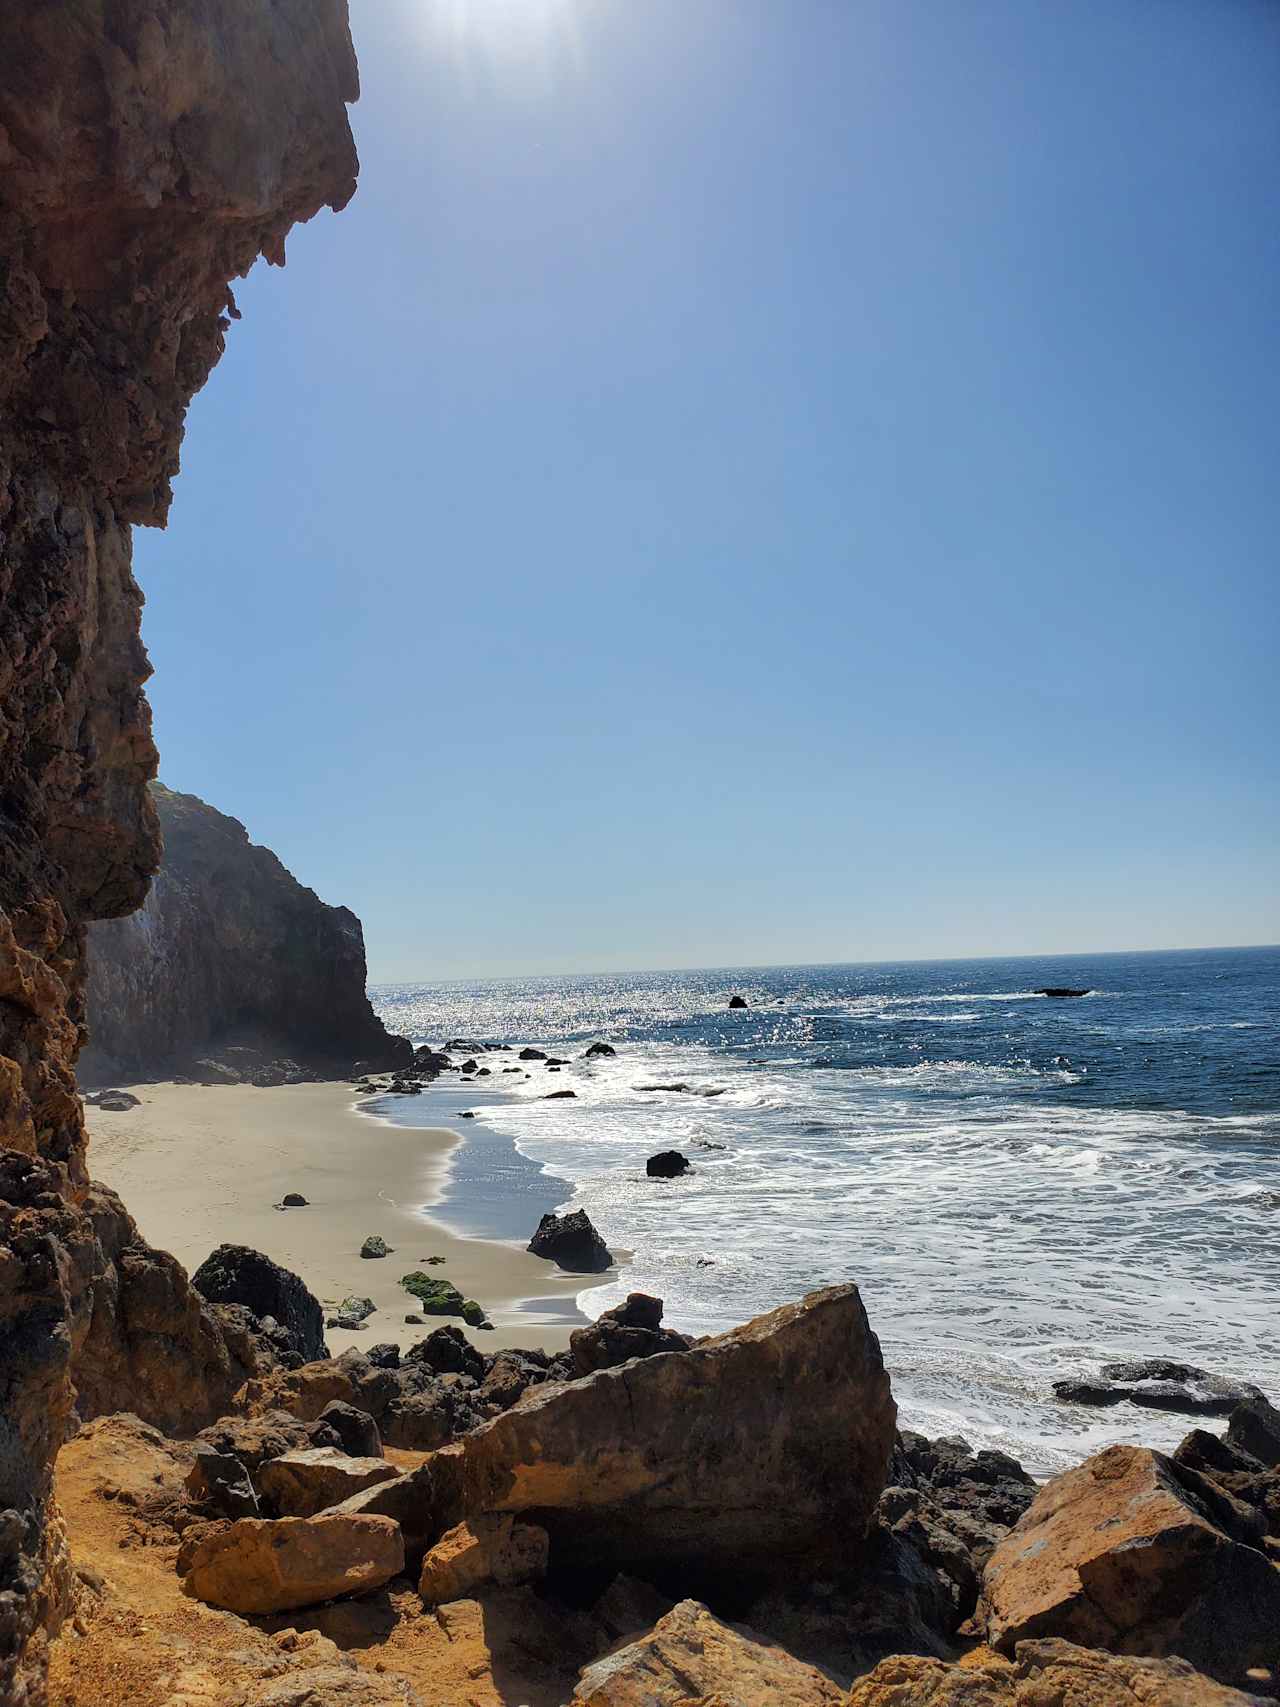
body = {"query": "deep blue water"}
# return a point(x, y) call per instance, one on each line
point(1022, 1186)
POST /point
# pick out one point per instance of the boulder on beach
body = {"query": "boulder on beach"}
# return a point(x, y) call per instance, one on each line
point(493, 1550)
point(300, 1484)
point(441, 1298)
point(1044, 1674)
point(114, 1101)
point(692, 1655)
point(667, 1164)
point(294, 1200)
point(375, 1246)
point(235, 1274)
point(572, 1243)
point(1136, 1554)
point(757, 1454)
point(277, 1565)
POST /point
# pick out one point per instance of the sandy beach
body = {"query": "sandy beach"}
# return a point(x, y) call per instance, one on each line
point(201, 1166)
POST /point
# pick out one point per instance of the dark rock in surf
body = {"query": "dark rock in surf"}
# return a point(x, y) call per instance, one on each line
point(1255, 1428)
point(532, 1055)
point(737, 1001)
point(235, 1274)
point(1156, 1383)
point(667, 1164)
point(1062, 990)
point(599, 1049)
point(552, 1096)
point(572, 1243)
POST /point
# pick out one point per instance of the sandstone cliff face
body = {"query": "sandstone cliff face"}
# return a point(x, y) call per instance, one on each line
point(227, 948)
point(150, 150)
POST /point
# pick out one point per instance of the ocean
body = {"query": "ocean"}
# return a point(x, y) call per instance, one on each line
point(1023, 1187)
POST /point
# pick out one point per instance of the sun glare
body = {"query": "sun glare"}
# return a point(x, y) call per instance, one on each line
point(513, 32)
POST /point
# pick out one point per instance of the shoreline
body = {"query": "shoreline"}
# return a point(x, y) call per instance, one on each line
point(201, 1166)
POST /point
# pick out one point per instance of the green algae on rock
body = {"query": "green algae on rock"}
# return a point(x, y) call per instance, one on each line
point(442, 1298)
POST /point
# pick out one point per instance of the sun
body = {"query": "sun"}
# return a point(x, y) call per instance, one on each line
point(514, 31)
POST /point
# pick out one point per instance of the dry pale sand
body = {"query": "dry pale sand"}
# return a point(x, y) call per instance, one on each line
point(200, 1166)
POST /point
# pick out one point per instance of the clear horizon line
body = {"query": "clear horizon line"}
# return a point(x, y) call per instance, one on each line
point(827, 965)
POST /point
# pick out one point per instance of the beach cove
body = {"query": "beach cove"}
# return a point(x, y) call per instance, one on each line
point(201, 1166)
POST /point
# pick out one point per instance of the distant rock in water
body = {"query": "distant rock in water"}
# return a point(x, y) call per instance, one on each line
point(737, 1001)
point(1062, 990)
point(667, 1164)
point(572, 1243)
point(599, 1049)
point(1158, 1384)
point(229, 950)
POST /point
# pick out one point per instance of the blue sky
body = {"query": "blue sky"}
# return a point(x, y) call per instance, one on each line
point(756, 481)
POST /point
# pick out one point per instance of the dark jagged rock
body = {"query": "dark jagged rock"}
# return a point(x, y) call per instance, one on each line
point(737, 1001)
point(220, 1482)
point(448, 1351)
point(235, 1274)
point(375, 1246)
point(631, 1329)
point(667, 1164)
point(384, 1355)
point(572, 1243)
point(553, 1096)
point(599, 1049)
point(1254, 1427)
point(229, 949)
point(1160, 1384)
point(252, 1441)
point(356, 1430)
point(532, 1055)
point(1062, 990)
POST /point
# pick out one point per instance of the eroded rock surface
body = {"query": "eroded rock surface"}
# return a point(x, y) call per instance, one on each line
point(692, 1655)
point(260, 1565)
point(1133, 1553)
point(149, 153)
point(742, 1455)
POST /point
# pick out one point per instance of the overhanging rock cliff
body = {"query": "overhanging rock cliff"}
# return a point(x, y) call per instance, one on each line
point(228, 948)
point(150, 151)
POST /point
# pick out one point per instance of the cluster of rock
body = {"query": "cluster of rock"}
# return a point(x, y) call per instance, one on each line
point(427, 1063)
point(231, 972)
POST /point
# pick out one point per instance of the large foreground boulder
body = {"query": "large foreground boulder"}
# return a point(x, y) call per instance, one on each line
point(691, 1655)
point(1044, 1674)
point(759, 1452)
point(259, 1566)
point(1134, 1553)
point(235, 1274)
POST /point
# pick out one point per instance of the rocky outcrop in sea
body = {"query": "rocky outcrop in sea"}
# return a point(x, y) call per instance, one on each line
point(230, 969)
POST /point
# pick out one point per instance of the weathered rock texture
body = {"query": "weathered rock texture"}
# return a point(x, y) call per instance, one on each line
point(1045, 1674)
point(1139, 1555)
point(759, 1452)
point(228, 948)
point(150, 151)
point(260, 1565)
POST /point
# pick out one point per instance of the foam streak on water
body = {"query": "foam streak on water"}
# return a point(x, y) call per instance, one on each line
point(1022, 1187)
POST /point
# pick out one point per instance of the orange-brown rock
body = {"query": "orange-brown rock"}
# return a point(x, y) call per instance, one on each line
point(1133, 1553)
point(690, 1654)
point(760, 1452)
point(150, 150)
point(301, 1483)
point(486, 1550)
point(1044, 1674)
point(277, 1565)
